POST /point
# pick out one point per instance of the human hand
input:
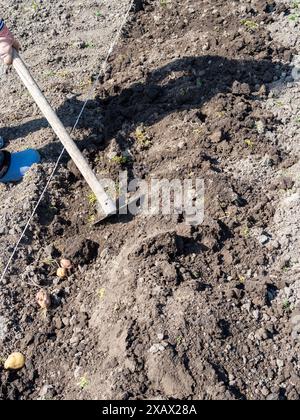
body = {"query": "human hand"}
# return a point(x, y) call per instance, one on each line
point(7, 43)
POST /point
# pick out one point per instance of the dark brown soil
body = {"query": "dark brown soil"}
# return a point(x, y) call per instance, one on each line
point(155, 308)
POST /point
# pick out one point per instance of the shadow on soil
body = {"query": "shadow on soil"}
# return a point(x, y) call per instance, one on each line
point(184, 84)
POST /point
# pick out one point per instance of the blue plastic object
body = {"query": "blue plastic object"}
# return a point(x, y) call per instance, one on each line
point(20, 163)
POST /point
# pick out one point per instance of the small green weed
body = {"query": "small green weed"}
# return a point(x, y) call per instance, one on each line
point(250, 24)
point(295, 12)
point(142, 137)
point(92, 199)
point(286, 305)
point(249, 143)
point(35, 6)
point(164, 3)
point(83, 383)
point(120, 160)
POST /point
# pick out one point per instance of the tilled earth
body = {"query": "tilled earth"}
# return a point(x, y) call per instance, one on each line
point(155, 308)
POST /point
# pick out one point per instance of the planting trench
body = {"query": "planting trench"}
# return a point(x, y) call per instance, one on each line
point(155, 308)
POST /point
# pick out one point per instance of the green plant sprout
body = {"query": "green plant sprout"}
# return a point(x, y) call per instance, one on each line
point(35, 6)
point(295, 12)
point(83, 382)
point(119, 160)
point(92, 199)
point(50, 73)
point(89, 45)
point(242, 279)
point(142, 137)
point(249, 143)
point(91, 219)
point(179, 340)
point(286, 305)
point(246, 232)
point(164, 3)
point(250, 24)
point(101, 293)
point(50, 262)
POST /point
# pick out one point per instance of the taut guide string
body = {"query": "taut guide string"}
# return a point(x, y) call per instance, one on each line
point(89, 96)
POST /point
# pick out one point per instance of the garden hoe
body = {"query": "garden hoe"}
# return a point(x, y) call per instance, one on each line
point(108, 207)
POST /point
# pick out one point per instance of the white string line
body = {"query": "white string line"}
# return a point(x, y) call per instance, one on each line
point(89, 95)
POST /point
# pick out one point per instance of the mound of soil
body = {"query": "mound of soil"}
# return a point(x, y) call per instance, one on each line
point(154, 308)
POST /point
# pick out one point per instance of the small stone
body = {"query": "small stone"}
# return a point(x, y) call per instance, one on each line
point(66, 321)
point(240, 88)
point(156, 348)
point(262, 91)
point(131, 365)
point(264, 239)
point(65, 263)
point(231, 378)
point(280, 363)
point(217, 136)
point(262, 334)
point(265, 392)
point(74, 340)
point(184, 230)
point(46, 391)
point(256, 314)
point(58, 324)
point(77, 372)
point(43, 299)
point(260, 127)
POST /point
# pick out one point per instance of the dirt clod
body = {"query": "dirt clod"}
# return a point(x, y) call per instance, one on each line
point(154, 308)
